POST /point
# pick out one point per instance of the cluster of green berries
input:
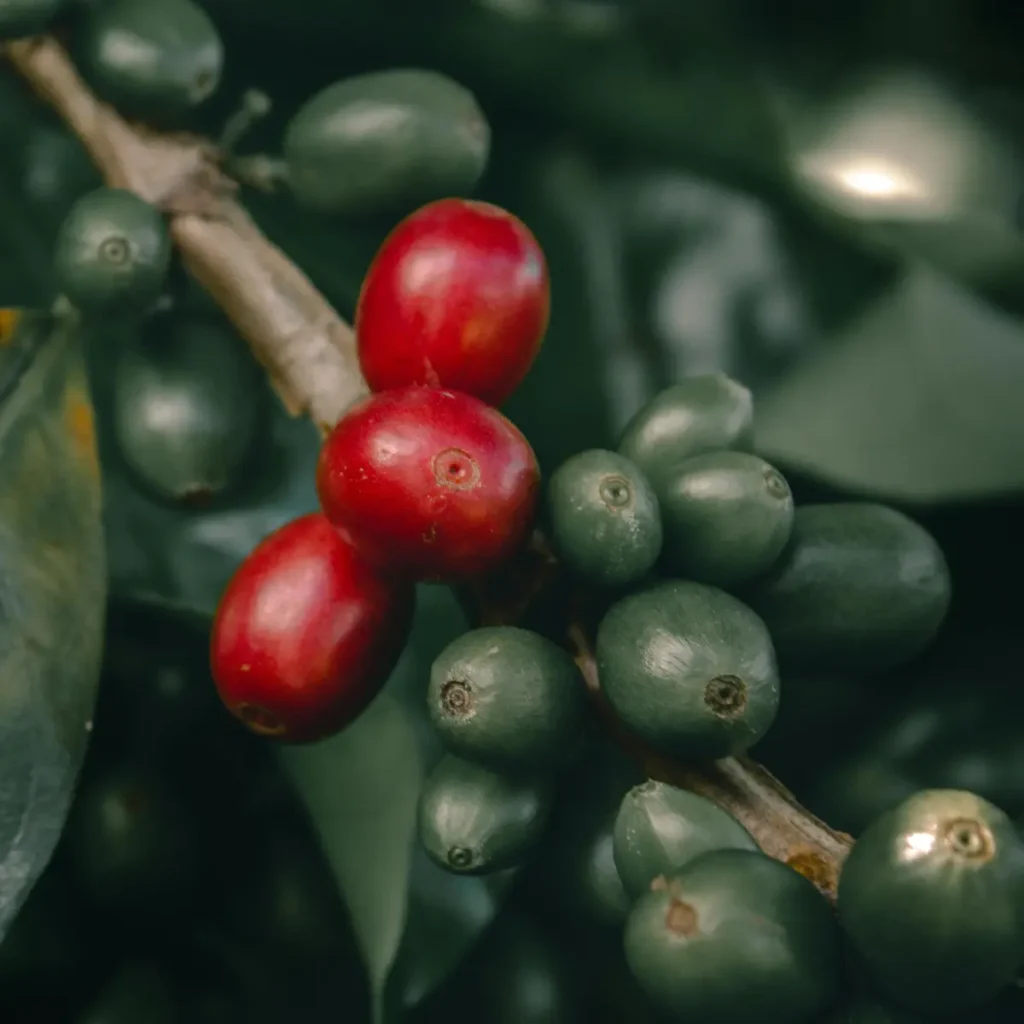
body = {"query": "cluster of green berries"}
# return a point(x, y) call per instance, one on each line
point(716, 584)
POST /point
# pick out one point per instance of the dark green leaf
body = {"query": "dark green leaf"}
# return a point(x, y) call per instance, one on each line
point(184, 557)
point(414, 923)
point(361, 790)
point(52, 593)
point(919, 401)
point(909, 164)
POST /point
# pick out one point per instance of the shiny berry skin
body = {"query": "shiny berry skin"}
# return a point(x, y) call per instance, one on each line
point(429, 484)
point(457, 297)
point(306, 634)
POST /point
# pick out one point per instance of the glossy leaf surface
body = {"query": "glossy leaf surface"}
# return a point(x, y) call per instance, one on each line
point(52, 594)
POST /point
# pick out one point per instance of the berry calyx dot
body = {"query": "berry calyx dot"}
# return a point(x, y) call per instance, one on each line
point(969, 839)
point(260, 720)
point(115, 250)
point(775, 484)
point(726, 696)
point(456, 469)
point(681, 919)
point(615, 491)
point(457, 698)
point(460, 857)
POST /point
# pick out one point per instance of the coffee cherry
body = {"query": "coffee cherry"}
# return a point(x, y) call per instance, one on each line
point(727, 517)
point(187, 406)
point(22, 18)
point(735, 938)
point(579, 865)
point(660, 829)
point(457, 297)
point(306, 634)
point(689, 668)
point(930, 898)
point(284, 897)
point(604, 518)
point(474, 822)
point(112, 253)
point(697, 415)
point(520, 973)
point(151, 57)
point(429, 484)
point(374, 142)
point(132, 844)
point(508, 698)
point(859, 586)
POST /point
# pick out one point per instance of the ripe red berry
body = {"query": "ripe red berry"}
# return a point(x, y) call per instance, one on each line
point(306, 633)
point(457, 297)
point(429, 484)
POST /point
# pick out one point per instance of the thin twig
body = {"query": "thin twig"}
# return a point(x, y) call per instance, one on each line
point(782, 827)
point(309, 352)
point(306, 347)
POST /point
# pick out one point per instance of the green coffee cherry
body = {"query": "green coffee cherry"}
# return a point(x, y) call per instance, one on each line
point(507, 697)
point(689, 668)
point(20, 19)
point(112, 253)
point(931, 900)
point(659, 829)
point(523, 975)
point(186, 409)
point(727, 517)
point(581, 865)
point(697, 415)
point(735, 938)
point(284, 897)
point(604, 518)
point(474, 822)
point(385, 140)
point(859, 587)
point(133, 848)
point(151, 58)
point(519, 973)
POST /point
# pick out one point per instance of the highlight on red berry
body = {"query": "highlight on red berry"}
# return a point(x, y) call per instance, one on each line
point(306, 634)
point(429, 484)
point(457, 297)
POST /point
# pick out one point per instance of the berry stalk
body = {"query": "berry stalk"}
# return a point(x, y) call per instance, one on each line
point(307, 349)
point(782, 826)
point(310, 354)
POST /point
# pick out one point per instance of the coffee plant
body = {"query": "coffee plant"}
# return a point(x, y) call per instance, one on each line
point(511, 512)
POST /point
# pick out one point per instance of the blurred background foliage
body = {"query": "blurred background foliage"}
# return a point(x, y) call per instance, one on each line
point(826, 202)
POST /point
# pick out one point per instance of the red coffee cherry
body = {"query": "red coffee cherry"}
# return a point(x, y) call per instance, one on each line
point(457, 297)
point(432, 485)
point(306, 634)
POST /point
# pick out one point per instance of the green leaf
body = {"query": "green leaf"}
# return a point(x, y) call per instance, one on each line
point(658, 274)
point(361, 790)
point(52, 594)
point(908, 163)
point(918, 401)
point(413, 922)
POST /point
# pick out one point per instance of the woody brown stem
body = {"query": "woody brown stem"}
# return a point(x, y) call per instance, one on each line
point(309, 353)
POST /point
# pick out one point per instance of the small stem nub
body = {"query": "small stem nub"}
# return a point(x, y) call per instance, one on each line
point(260, 171)
point(254, 107)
